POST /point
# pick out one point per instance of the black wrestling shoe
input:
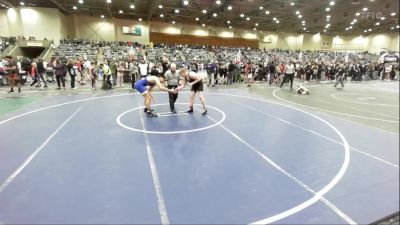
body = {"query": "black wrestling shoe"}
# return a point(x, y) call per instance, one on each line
point(204, 112)
point(11, 91)
point(19, 90)
point(150, 114)
point(173, 111)
point(146, 110)
point(190, 110)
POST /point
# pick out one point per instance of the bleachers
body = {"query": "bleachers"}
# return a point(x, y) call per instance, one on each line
point(90, 50)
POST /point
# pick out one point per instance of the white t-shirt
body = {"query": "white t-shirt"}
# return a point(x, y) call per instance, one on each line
point(143, 69)
point(289, 69)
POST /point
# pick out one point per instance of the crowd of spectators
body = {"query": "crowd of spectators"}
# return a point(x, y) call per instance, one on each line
point(116, 63)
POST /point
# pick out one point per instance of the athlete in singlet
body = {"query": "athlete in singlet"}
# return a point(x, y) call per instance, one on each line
point(194, 80)
point(145, 87)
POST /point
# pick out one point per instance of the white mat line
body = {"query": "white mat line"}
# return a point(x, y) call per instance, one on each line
point(295, 179)
point(320, 135)
point(32, 156)
point(156, 181)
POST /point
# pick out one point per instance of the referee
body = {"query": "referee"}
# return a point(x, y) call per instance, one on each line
point(172, 78)
point(289, 74)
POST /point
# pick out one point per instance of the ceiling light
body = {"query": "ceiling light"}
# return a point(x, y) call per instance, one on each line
point(392, 14)
point(327, 20)
point(377, 23)
point(228, 21)
point(358, 14)
point(203, 25)
point(214, 15)
point(274, 18)
point(304, 28)
point(267, 12)
point(120, 11)
point(74, 7)
point(173, 22)
point(22, 3)
point(80, 1)
point(328, 16)
point(254, 28)
point(352, 23)
point(369, 29)
point(242, 15)
point(332, 3)
point(292, 3)
point(392, 28)
point(132, 6)
point(176, 10)
point(355, 20)
point(102, 16)
point(365, 9)
point(397, 26)
point(197, 19)
point(365, 31)
point(256, 24)
point(303, 21)
point(350, 27)
point(303, 24)
point(230, 27)
point(230, 7)
point(160, 6)
point(383, 18)
point(328, 9)
point(140, 19)
point(204, 11)
point(261, 8)
point(300, 16)
point(328, 24)
point(297, 12)
point(248, 18)
point(277, 21)
point(161, 15)
point(186, 2)
point(108, 1)
point(347, 28)
point(218, 2)
point(324, 30)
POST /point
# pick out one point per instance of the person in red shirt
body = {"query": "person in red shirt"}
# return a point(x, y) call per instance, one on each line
point(12, 70)
point(35, 75)
point(79, 64)
point(248, 73)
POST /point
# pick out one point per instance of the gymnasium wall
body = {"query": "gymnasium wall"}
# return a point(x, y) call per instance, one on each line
point(51, 23)
point(198, 30)
point(317, 42)
point(36, 22)
point(4, 23)
point(373, 43)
